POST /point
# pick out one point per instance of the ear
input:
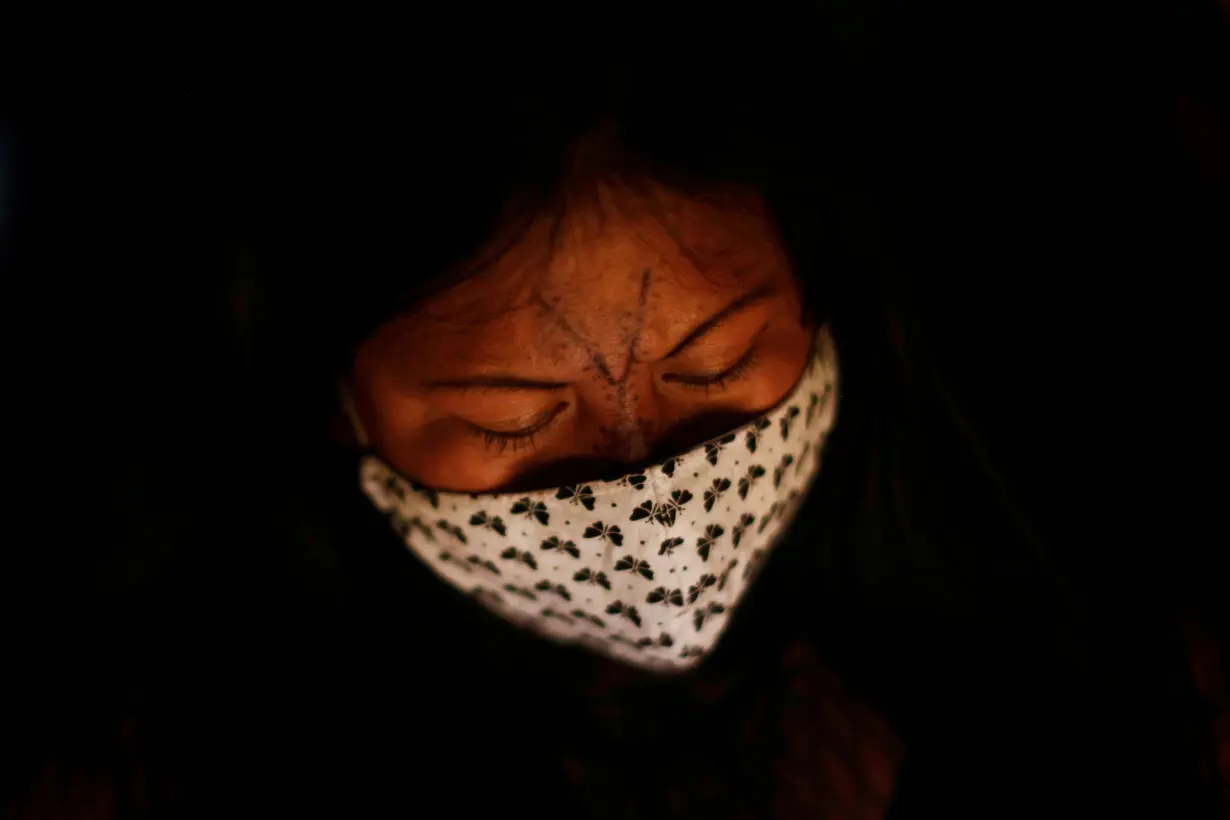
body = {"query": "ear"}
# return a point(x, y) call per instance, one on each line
point(346, 428)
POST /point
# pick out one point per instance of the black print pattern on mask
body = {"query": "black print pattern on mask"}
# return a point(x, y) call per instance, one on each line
point(630, 564)
point(662, 595)
point(704, 582)
point(753, 435)
point(588, 576)
point(748, 481)
point(668, 546)
point(431, 496)
point(636, 480)
point(554, 544)
point(746, 520)
point(581, 494)
point(638, 645)
point(665, 512)
point(555, 589)
point(701, 615)
point(813, 401)
point(409, 528)
point(394, 488)
point(514, 554)
point(768, 517)
point(780, 470)
point(787, 421)
point(714, 448)
point(582, 615)
point(446, 557)
point(521, 591)
point(452, 530)
point(493, 523)
point(705, 543)
point(531, 509)
point(599, 530)
point(713, 494)
point(483, 563)
point(624, 611)
point(682, 540)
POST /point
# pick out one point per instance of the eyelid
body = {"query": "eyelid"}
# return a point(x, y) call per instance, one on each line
point(725, 316)
point(529, 430)
point(712, 378)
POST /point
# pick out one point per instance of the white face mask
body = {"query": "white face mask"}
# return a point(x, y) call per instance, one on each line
point(647, 569)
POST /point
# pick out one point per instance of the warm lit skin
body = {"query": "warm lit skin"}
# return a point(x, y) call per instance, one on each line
point(591, 345)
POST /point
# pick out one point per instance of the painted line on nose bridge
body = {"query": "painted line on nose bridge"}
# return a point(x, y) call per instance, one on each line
point(594, 356)
point(632, 437)
point(590, 349)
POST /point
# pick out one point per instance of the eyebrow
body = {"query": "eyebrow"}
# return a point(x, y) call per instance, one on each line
point(517, 384)
point(742, 303)
point(513, 384)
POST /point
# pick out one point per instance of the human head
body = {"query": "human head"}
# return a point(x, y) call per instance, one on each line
point(397, 183)
point(622, 319)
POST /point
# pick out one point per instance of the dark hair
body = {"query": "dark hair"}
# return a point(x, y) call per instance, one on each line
point(948, 578)
point(427, 153)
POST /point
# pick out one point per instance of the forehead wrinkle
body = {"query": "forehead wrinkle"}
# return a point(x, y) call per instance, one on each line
point(571, 243)
point(655, 233)
point(743, 238)
point(563, 263)
point(579, 340)
point(512, 344)
point(504, 287)
point(589, 223)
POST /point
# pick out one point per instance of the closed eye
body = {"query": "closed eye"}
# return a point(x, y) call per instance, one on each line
point(735, 372)
point(500, 439)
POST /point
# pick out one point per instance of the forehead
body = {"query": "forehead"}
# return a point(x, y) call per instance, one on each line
point(608, 253)
point(596, 247)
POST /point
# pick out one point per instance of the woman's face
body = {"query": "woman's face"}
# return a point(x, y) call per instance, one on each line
point(637, 324)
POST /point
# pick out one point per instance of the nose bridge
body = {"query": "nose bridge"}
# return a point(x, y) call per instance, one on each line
point(622, 416)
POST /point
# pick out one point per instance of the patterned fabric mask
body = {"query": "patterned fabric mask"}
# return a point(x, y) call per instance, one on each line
point(647, 569)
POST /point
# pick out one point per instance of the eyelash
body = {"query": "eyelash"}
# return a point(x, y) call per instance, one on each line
point(521, 439)
point(736, 372)
point(517, 440)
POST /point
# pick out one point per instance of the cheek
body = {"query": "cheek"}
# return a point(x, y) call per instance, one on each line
point(457, 469)
point(778, 367)
point(781, 373)
point(439, 456)
point(425, 447)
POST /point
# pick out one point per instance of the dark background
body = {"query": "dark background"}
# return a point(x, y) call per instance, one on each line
point(1053, 176)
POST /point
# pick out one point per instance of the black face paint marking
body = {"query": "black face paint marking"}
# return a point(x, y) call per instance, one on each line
point(586, 345)
point(630, 433)
point(563, 325)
